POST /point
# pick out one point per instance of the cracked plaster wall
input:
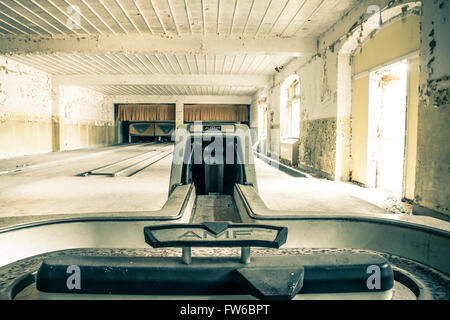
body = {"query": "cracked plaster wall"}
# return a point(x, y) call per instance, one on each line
point(36, 117)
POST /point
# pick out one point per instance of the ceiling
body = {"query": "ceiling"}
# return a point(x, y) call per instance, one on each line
point(241, 19)
point(144, 63)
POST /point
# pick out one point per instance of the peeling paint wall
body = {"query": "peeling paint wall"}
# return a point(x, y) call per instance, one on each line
point(37, 117)
point(318, 107)
point(318, 110)
point(317, 146)
point(325, 79)
point(433, 150)
point(85, 104)
point(25, 110)
point(87, 119)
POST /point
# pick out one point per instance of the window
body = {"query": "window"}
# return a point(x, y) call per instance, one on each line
point(290, 111)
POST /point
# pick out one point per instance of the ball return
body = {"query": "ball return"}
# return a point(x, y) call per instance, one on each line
point(274, 277)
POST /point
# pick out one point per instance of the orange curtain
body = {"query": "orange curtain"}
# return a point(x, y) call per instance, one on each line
point(192, 113)
point(146, 112)
point(216, 112)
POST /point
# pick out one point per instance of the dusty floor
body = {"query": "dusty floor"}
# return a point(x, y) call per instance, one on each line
point(48, 184)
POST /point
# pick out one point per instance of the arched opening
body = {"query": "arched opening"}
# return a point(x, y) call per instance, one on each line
point(378, 94)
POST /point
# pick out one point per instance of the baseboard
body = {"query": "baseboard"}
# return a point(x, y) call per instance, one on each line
point(316, 172)
point(423, 211)
point(280, 166)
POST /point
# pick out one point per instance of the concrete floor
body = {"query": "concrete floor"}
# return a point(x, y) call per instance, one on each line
point(48, 184)
point(284, 192)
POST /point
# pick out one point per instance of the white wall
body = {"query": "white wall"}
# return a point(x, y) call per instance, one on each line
point(433, 148)
point(84, 104)
point(25, 110)
point(24, 89)
point(37, 117)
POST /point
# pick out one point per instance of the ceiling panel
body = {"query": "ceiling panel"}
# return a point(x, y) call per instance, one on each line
point(173, 90)
point(173, 17)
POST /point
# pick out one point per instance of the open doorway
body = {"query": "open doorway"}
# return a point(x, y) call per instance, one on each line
point(387, 127)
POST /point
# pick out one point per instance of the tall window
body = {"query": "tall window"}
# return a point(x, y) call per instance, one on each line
point(290, 111)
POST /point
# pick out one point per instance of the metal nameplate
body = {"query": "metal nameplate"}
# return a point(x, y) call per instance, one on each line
point(215, 234)
point(209, 128)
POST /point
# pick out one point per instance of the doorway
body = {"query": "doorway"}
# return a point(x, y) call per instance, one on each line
point(387, 127)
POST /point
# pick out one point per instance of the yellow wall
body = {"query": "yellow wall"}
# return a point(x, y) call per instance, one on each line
point(22, 133)
point(394, 41)
point(78, 134)
point(360, 118)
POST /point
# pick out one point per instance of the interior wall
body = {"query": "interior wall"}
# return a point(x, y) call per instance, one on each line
point(325, 146)
point(87, 119)
point(38, 116)
point(318, 111)
point(397, 39)
point(318, 135)
point(433, 150)
point(25, 110)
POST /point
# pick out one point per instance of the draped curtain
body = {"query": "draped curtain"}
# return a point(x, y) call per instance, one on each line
point(215, 112)
point(146, 112)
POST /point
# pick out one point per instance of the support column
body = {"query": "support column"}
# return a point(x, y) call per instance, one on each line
point(57, 117)
point(343, 122)
point(179, 114)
